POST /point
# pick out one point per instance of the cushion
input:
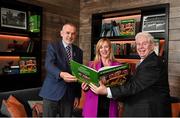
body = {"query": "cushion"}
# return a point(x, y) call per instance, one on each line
point(4, 110)
point(175, 107)
point(13, 108)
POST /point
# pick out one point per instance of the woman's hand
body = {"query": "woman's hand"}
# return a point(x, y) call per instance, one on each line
point(85, 86)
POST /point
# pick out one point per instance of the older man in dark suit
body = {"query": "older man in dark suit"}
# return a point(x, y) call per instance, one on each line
point(147, 92)
point(60, 91)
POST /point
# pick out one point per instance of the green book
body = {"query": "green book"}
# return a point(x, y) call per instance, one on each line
point(27, 65)
point(112, 75)
point(34, 23)
point(127, 27)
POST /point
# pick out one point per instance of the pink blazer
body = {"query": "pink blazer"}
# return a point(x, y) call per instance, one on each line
point(91, 100)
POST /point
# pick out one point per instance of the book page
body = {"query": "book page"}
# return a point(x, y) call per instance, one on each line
point(114, 75)
point(107, 67)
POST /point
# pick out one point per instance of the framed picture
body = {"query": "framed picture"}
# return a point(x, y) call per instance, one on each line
point(28, 65)
point(154, 23)
point(110, 27)
point(13, 18)
point(127, 27)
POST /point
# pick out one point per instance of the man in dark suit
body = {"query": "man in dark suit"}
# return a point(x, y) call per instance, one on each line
point(147, 92)
point(60, 91)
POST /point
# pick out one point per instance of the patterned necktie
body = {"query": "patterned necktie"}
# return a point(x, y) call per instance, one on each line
point(68, 50)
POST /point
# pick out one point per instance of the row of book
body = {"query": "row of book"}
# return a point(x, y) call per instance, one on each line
point(130, 48)
point(124, 49)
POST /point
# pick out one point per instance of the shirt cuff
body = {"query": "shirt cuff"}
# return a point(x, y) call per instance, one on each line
point(109, 94)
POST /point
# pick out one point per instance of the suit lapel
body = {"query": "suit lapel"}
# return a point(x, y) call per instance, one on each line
point(146, 60)
point(74, 53)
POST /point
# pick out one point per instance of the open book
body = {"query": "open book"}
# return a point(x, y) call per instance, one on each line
point(111, 75)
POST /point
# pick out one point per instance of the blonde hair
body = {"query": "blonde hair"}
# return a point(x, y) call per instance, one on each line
point(98, 46)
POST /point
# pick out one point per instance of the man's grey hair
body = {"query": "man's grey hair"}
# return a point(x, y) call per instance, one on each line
point(147, 35)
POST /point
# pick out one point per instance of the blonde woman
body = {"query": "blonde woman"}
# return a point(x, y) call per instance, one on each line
point(99, 105)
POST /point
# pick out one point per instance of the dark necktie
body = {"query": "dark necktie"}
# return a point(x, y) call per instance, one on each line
point(68, 50)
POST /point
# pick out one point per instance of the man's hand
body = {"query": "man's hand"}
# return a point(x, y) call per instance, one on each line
point(101, 90)
point(67, 77)
point(37, 110)
point(76, 102)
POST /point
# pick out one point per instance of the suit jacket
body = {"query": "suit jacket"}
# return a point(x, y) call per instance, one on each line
point(56, 61)
point(147, 92)
point(90, 108)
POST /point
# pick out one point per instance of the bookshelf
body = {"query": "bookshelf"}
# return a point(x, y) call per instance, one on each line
point(121, 27)
point(20, 50)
